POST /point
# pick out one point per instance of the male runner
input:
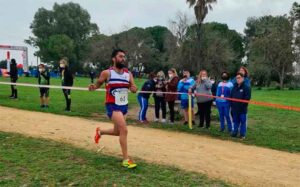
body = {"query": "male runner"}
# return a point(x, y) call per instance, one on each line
point(118, 81)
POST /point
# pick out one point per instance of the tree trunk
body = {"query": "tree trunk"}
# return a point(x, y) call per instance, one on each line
point(198, 62)
point(281, 77)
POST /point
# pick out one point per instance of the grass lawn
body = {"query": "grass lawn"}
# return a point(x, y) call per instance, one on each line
point(36, 162)
point(267, 127)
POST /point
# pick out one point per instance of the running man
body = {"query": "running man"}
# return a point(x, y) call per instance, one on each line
point(119, 81)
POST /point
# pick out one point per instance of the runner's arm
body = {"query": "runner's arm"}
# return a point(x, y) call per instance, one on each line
point(103, 77)
point(132, 85)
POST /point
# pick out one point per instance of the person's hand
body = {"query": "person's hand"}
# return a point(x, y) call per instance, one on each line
point(133, 89)
point(92, 87)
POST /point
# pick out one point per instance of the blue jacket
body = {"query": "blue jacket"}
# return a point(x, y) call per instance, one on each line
point(240, 92)
point(225, 90)
point(149, 85)
point(184, 87)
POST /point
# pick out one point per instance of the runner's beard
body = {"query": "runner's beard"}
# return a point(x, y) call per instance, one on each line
point(120, 65)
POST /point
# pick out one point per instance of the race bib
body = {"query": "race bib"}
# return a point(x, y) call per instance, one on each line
point(121, 98)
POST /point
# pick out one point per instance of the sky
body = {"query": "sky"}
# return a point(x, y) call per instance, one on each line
point(112, 16)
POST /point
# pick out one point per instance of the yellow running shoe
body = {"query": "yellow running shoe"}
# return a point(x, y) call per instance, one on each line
point(129, 164)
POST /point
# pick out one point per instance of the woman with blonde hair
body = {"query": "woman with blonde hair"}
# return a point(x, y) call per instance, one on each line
point(203, 86)
point(159, 97)
point(171, 86)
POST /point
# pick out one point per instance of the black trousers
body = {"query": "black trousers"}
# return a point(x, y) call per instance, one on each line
point(14, 91)
point(171, 105)
point(92, 76)
point(67, 94)
point(160, 103)
point(204, 113)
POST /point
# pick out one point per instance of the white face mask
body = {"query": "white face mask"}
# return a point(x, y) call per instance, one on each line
point(40, 70)
point(171, 76)
point(213, 82)
point(62, 65)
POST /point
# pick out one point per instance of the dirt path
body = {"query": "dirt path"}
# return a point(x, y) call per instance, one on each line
point(233, 162)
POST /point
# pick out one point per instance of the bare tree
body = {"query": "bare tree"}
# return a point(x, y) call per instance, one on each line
point(179, 25)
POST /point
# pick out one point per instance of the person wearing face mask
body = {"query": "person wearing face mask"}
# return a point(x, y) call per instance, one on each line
point(44, 79)
point(119, 81)
point(203, 86)
point(185, 85)
point(159, 97)
point(171, 86)
point(223, 105)
point(214, 87)
point(67, 80)
point(13, 78)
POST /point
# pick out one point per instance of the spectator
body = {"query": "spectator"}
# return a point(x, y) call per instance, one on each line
point(44, 79)
point(92, 72)
point(224, 91)
point(13, 79)
point(214, 87)
point(171, 86)
point(243, 70)
point(239, 110)
point(143, 98)
point(185, 85)
point(67, 80)
point(203, 86)
point(159, 97)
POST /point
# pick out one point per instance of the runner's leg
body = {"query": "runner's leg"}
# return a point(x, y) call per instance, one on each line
point(119, 120)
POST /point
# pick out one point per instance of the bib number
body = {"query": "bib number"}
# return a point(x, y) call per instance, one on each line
point(121, 98)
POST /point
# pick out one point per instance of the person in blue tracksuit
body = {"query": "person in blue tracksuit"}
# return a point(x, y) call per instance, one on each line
point(185, 85)
point(239, 110)
point(143, 98)
point(224, 91)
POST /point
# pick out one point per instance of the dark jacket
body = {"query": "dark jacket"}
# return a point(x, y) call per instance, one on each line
point(13, 71)
point(149, 85)
point(172, 87)
point(44, 78)
point(240, 92)
point(67, 77)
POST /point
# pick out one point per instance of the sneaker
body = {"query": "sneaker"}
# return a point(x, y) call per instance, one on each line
point(129, 164)
point(97, 135)
point(193, 123)
point(242, 137)
point(163, 120)
point(46, 106)
point(156, 120)
point(144, 122)
point(185, 123)
point(42, 106)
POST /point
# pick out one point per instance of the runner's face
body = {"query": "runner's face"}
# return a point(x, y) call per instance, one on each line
point(119, 60)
